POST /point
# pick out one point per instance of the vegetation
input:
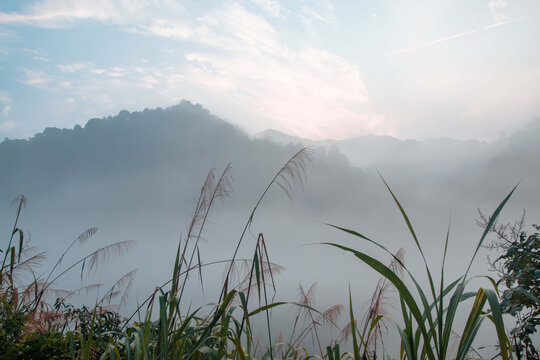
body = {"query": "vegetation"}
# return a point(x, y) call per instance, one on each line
point(427, 324)
point(518, 269)
point(35, 322)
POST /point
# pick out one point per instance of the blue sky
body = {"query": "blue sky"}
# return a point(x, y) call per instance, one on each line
point(317, 69)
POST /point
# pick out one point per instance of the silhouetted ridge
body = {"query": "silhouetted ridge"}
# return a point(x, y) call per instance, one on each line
point(149, 155)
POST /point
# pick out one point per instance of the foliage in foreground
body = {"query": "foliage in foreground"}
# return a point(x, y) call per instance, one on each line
point(33, 328)
point(427, 323)
point(518, 269)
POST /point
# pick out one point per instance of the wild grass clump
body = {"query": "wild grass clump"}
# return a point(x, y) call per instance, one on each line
point(35, 320)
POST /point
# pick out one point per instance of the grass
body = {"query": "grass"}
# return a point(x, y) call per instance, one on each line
point(428, 318)
point(162, 328)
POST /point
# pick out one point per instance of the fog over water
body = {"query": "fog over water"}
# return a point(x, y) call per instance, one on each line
point(137, 176)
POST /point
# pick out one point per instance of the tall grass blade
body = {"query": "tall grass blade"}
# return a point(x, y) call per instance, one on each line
point(492, 220)
point(356, 348)
point(506, 351)
point(163, 325)
point(472, 326)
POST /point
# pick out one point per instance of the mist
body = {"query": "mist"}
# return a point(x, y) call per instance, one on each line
point(137, 176)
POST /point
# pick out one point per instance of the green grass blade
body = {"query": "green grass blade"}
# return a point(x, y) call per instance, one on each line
point(440, 310)
point(220, 311)
point(492, 220)
point(267, 307)
point(329, 353)
point(357, 234)
point(449, 319)
point(374, 324)
point(164, 327)
point(472, 325)
point(417, 242)
point(21, 242)
point(399, 285)
point(405, 344)
point(406, 335)
point(404, 215)
point(356, 348)
point(506, 352)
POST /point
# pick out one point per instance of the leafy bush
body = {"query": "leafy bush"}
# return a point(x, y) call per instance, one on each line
point(521, 264)
point(518, 268)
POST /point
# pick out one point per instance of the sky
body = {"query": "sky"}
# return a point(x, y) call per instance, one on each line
point(316, 69)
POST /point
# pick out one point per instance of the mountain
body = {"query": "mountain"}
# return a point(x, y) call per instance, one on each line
point(137, 175)
point(418, 164)
point(282, 138)
point(152, 154)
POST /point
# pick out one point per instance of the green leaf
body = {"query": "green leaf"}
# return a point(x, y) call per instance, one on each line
point(528, 294)
point(267, 307)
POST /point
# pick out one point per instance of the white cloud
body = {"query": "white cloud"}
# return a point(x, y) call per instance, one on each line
point(149, 81)
point(497, 9)
point(41, 58)
point(6, 109)
point(310, 91)
point(35, 54)
point(4, 97)
point(8, 125)
point(36, 77)
point(308, 14)
point(71, 68)
point(316, 12)
point(236, 29)
point(98, 71)
point(165, 28)
point(272, 8)
point(62, 13)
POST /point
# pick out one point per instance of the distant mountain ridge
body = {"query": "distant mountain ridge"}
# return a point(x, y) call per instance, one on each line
point(427, 165)
point(158, 137)
point(382, 144)
point(137, 175)
point(145, 156)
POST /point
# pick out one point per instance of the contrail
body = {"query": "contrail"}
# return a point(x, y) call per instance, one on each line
point(429, 43)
